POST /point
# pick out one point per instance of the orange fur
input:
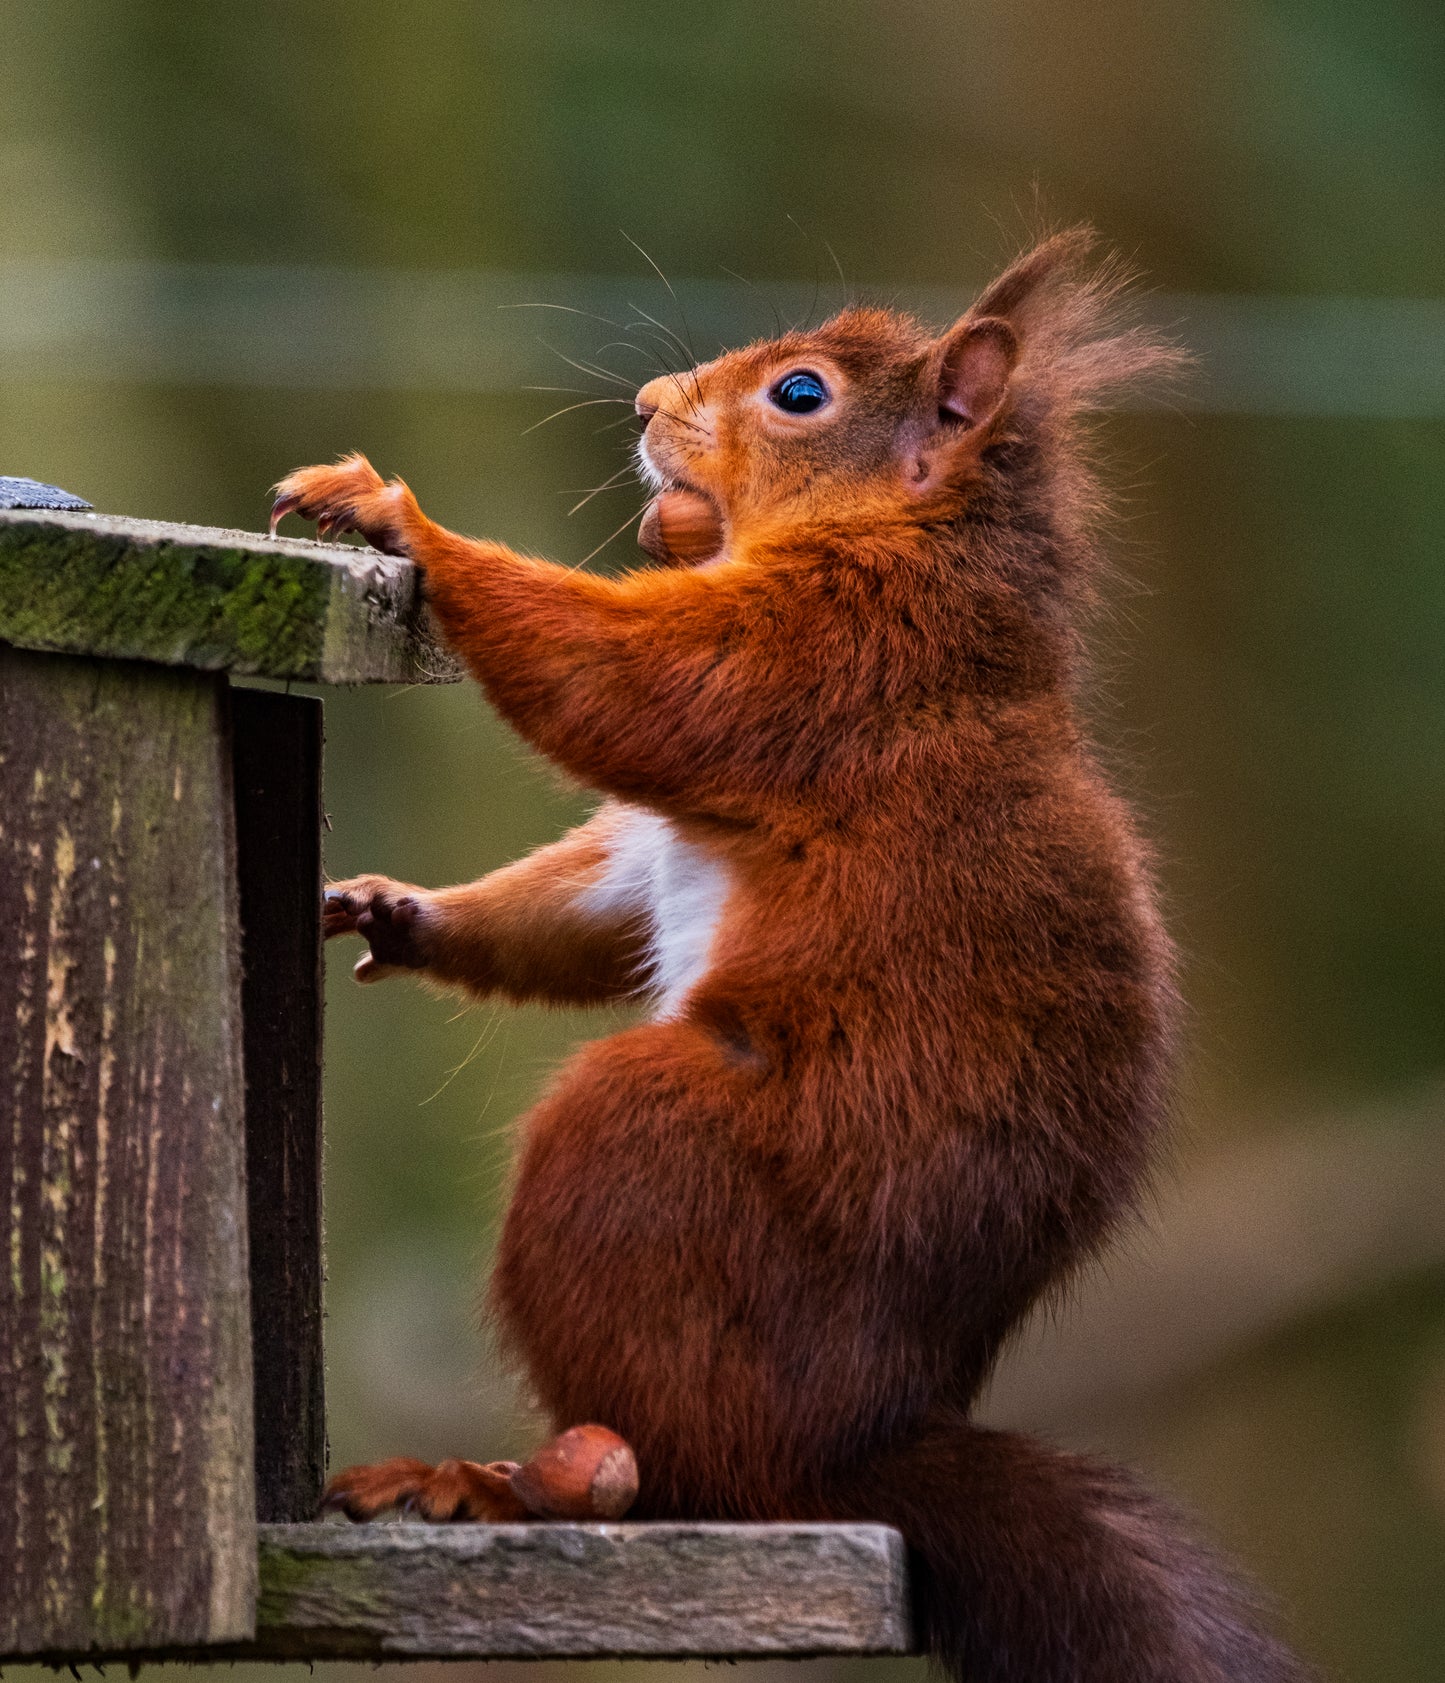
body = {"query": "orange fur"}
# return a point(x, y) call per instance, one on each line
point(452, 1490)
point(519, 932)
point(777, 1237)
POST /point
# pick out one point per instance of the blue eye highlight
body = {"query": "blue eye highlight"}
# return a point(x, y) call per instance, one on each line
point(799, 394)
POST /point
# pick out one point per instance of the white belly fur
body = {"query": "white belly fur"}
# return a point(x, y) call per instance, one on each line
point(678, 886)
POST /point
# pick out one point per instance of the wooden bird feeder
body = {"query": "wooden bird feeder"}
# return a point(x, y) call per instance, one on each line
point(162, 1428)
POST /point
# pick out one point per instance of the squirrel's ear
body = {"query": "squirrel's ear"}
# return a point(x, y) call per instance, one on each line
point(977, 358)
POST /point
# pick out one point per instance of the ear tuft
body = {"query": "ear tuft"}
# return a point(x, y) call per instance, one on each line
point(1069, 310)
point(978, 358)
point(1056, 258)
point(1072, 347)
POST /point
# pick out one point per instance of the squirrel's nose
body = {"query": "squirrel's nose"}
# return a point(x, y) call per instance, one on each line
point(649, 400)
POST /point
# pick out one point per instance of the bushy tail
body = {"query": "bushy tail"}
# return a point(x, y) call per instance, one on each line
point(1035, 1566)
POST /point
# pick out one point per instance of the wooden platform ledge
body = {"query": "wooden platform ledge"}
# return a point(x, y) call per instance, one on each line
point(215, 600)
point(579, 1591)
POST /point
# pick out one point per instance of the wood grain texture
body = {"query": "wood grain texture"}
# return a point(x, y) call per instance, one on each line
point(276, 748)
point(126, 1508)
point(580, 1591)
point(219, 600)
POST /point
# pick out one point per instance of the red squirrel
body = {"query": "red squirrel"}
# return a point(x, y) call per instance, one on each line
point(912, 1002)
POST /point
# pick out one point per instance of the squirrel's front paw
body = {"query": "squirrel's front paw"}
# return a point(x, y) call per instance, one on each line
point(348, 496)
point(389, 915)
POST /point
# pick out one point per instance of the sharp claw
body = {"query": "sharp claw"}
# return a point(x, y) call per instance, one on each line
point(281, 508)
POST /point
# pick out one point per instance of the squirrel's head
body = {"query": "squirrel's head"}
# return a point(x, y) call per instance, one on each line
point(871, 420)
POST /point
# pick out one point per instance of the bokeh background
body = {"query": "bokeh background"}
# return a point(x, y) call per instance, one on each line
point(236, 239)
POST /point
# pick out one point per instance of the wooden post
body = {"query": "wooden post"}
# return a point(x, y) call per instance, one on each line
point(276, 747)
point(157, 828)
point(126, 1506)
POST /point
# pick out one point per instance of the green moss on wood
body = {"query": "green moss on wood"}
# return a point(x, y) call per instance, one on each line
point(289, 1580)
point(117, 1624)
point(198, 596)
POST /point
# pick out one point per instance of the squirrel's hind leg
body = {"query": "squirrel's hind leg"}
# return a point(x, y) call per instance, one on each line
point(655, 1274)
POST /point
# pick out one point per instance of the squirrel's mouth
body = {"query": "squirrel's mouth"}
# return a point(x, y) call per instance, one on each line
point(655, 468)
point(683, 525)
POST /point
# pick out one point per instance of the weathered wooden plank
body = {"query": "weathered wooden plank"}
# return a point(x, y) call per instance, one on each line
point(126, 1508)
point(580, 1591)
point(219, 600)
point(276, 747)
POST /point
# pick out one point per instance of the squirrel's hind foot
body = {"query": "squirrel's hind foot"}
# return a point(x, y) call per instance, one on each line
point(586, 1472)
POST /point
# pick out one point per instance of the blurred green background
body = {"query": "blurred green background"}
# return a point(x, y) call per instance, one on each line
point(234, 240)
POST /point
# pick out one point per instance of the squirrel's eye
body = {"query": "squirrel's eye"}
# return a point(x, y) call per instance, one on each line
point(799, 394)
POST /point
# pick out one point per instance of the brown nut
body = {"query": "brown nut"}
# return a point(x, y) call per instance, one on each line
point(681, 527)
point(585, 1473)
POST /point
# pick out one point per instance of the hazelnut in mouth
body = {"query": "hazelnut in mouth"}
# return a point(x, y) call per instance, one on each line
point(681, 528)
